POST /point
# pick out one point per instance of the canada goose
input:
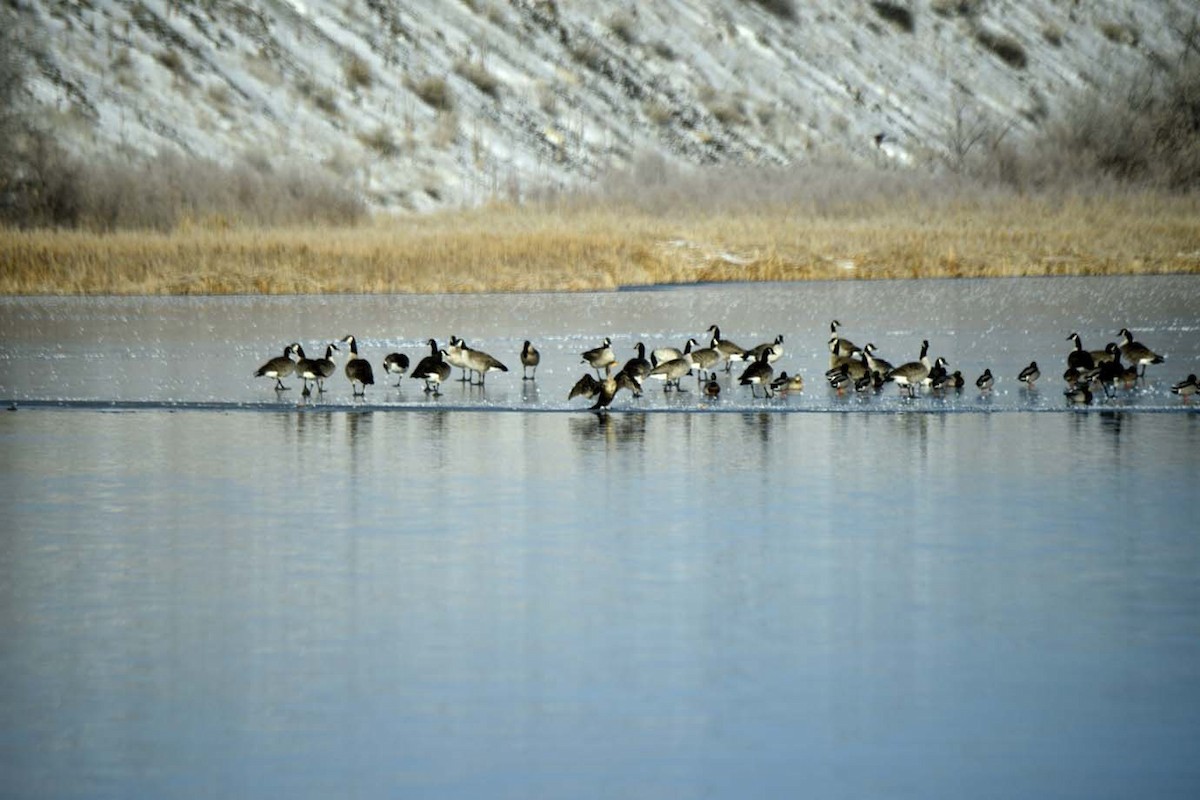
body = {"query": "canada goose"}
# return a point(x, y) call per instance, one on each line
point(661, 355)
point(1081, 395)
point(587, 386)
point(728, 350)
point(456, 356)
point(788, 383)
point(480, 362)
point(609, 388)
point(326, 366)
point(672, 371)
point(839, 346)
point(530, 358)
point(279, 367)
point(910, 374)
point(1030, 374)
point(937, 373)
point(637, 368)
point(1106, 373)
point(357, 369)
point(759, 374)
point(985, 382)
point(773, 349)
point(315, 369)
point(432, 369)
point(1079, 358)
point(395, 364)
point(705, 359)
point(1137, 353)
point(601, 357)
point(879, 366)
point(1186, 387)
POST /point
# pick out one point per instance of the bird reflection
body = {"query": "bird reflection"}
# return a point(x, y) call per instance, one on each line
point(612, 429)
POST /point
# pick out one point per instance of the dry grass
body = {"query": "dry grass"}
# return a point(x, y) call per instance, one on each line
point(539, 249)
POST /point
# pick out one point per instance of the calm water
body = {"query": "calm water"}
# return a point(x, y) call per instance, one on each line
point(214, 593)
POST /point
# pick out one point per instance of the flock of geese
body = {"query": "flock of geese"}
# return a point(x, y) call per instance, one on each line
point(851, 368)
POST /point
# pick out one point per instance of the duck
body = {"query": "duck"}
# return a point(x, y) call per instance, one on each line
point(1030, 374)
point(908, 376)
point(279, 367)
point(601, 357)
point(1186, 387)
point(395, 364)
point(728, 350)
point(788, 383)
point(1080, 395)
point(530, 358)
point(1137, 353)
point(839, 378)
point(953, 380)
point(712, 388)
point(433, 369)
point(357, 369)
point(758, 374)
point(985, 382)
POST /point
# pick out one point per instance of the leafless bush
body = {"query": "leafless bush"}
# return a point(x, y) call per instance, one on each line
point(478, 74)
point(1005, 47)
point(434, 92)
point(898, 15)
point(358, 74)
point(784, 9)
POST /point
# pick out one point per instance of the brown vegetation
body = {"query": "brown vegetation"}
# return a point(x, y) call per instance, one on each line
point(554, 248)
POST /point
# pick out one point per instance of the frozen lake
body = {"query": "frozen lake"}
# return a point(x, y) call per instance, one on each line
point(211, 589)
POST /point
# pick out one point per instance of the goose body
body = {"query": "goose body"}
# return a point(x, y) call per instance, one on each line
point(729, 351)
point(316, 369)
point(481, 363)
point(1030, 374)
point(774, 350)
point(609, 388)
point(705, 360)
point(601, 357)
point(587, 386)
point(395, 364)
point(433, 369)
point(758, 374)
point(1137, 353)
point(908, 376)
point(530, 358)
point(1106, 373)
point(455, 354)
point(326, 366)
point(672, 371)
point(357, 369)
point(937, 373)
point(1079, 358)
point(638, 368)
point(279, 367)
point(880, 366)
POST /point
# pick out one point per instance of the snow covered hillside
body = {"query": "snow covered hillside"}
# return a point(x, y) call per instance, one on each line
point(428, 103)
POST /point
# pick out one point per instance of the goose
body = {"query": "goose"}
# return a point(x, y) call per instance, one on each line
point(728, 350)
point(1106, 373)
point(880, 366)
point(773, 349)
point(357, 369)
point(530, 358)
point(1137, 353)
point(759, 374)
point(662, 354)
point(839, 346)
point(395, 364)
point(306, 369)
point(602, 356)
point(1079, 358)
point(456, 356)
point(279, 367)
point(1081, 395)
point(433, 369)
point(853, 368)
point(637, 368)
point(953, 380)
point(910, 374)
point(1186, 387)
point(672, 371)
point(326, 366)
point(985, 382)
point(788, 383)
point(480, 362)
point(609, 388)
point(587, 386)
point(937, 373)
point(705, 359)
point(1030, 374)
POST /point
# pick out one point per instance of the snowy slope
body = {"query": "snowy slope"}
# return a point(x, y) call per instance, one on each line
point(426, 103)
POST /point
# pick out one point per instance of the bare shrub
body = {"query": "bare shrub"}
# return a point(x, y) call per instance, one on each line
point(358, 74)
point(381, 141)
point(784, 9)
point(478, 74)
point(1120, 33)
point(1005, 47)
point(434, 92)
point(624, 26)
point(898, 15)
